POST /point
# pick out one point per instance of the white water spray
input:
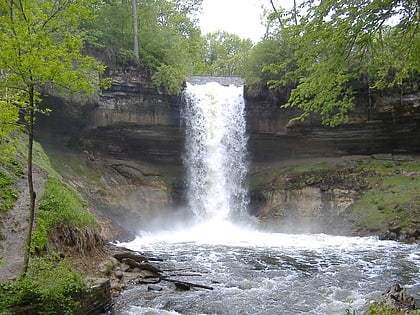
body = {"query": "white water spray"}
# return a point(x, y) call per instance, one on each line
point(216, 151)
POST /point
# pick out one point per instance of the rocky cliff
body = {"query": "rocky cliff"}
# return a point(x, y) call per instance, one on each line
point(137, 125)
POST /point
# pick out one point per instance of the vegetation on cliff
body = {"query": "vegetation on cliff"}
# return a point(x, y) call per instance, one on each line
point(327, 46)
point(377, 194)
point(52, 283)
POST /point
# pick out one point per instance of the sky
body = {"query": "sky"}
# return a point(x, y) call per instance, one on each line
point(241, 17)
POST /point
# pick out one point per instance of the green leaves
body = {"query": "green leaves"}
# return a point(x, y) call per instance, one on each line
point(41, 46)
point(337, 42)
point(225, 54)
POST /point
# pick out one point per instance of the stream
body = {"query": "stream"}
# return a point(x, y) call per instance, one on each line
point(271, 273)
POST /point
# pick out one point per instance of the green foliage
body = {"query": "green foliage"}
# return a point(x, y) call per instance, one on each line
point(337, 42)
point(225, 54)
point(7, 192)
point(50, 284)
point(263, 62)
point(10, 171)
point(59, 205)
point(376, 309)
point(392, 197)
point(169, 39)
point(41, 48)
point(9, 115)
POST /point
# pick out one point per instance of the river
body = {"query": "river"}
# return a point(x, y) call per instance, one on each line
point(254, 272)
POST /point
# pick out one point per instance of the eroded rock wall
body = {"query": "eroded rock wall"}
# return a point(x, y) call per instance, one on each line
point(133, 121)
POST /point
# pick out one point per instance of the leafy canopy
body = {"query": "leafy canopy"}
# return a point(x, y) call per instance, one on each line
point(169, 38)
point(336, 42)
point(41, 47)
point(224, 53)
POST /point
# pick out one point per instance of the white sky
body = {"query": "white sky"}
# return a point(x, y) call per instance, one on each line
point(241, 17)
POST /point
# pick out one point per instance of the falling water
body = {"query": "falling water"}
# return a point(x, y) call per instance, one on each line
point(215, 156)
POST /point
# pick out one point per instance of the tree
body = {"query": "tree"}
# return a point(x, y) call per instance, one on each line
point(170, 45)
point(169, 48)
point(337, 42)
point(40, 45)
point(135, 30)
point(225, 53)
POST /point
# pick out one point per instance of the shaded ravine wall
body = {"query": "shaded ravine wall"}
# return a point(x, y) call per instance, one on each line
point(136, 122)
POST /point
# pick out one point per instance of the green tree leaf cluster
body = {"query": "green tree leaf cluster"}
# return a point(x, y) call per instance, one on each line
point(328, 45)
point(225, 54)
point(168, 37)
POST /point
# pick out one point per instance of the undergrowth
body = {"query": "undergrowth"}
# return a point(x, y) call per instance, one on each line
point(62, 207)
point(393, 195)
point(10, 171)
point(49, 287)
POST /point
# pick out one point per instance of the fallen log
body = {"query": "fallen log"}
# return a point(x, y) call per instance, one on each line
point(136, 257)
point(186, 283)
point(143, 266)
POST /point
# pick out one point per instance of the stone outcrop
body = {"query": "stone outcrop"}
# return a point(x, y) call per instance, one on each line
point(397, 299)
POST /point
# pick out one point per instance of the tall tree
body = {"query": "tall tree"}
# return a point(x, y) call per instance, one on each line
point(225, 53)
point(40, 45)
point(135, 30)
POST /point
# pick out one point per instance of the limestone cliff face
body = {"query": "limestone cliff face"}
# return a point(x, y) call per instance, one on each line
point(133, 121)
point(306, 209)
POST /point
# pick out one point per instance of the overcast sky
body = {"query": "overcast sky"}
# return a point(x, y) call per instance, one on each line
point(241, 17)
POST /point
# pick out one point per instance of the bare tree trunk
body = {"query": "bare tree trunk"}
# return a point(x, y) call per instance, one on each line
point(32, 195)
point(295, 12)
point(135, 30)
point(277, 13)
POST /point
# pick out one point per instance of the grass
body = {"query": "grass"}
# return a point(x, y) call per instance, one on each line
point(59, 205)
point(10, 171)
point(49, 286)
point(394, 196)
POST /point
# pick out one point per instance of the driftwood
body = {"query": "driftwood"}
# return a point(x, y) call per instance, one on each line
point(136, 257)
point(143, 266)
point(183, 284)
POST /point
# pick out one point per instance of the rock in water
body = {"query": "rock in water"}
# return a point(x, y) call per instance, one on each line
point(397, 298)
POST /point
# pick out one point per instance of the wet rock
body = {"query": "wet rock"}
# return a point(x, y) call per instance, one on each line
point(182, 286)
point(154, 287)
point(134, 256)
point(118, 274)
point(124, 267)
point(397, 298)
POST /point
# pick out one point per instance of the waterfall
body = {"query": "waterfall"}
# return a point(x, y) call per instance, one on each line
point(215, 150)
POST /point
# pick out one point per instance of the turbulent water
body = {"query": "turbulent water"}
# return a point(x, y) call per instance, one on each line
point(250, 271)
point(269, 273)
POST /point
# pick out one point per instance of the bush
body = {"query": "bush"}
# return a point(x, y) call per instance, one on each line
point(50, 286)
point(59, 206)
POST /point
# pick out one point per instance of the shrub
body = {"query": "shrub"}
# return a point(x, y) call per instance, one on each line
point(49, 286)
point(60, 206)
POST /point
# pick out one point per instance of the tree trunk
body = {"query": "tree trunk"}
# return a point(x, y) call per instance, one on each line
point(277, 13)
point(135, 30)
point(32, 195)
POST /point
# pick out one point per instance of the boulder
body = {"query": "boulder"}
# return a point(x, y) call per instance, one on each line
point(397, 298)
